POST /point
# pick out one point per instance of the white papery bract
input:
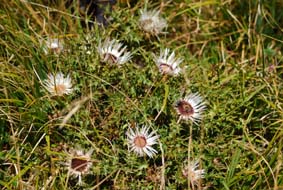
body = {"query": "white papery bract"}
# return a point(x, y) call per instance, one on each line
point(113, 52)
point(58, 85)
point(191, 107)
point(140, 141)
point(167, 63)
point(151, 22)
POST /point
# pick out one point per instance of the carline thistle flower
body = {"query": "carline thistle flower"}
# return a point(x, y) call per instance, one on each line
point(191, 172)
point(191, 107)
point(79, 163)
point(113, 52)
point(151, 22)
point(140, 141)
point(58, 85)
point(53, 45)
point(168, 63)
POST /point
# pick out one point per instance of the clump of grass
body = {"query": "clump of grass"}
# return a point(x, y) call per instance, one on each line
point(228, 53)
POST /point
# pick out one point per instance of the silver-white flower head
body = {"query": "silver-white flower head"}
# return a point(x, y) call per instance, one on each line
point(151, 22)
point(79, 163)
point(191, 171)
point(168, 63)
point(53, 45)
point(113, 52)
point(191, 107)
point(58, 85)
point(140, 141)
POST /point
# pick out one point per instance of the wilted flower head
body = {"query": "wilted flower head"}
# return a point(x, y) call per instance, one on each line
point(151, 22)
point(113, 52)
point(191, 107)
point(190, 171)
point(79, 163)
point(168, 63)
point(58, 85)
point(53, 45)
point(140, 141)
